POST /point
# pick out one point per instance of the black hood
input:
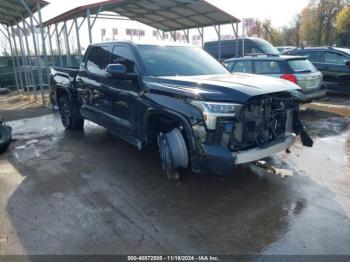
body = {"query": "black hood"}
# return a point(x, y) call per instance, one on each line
point(231, 87)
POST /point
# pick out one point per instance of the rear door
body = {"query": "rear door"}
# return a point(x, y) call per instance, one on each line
point(92, 85)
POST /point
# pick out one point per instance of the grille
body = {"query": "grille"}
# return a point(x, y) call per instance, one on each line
point(261, 122)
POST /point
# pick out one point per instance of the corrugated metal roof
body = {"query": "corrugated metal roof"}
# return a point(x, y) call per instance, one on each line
point(165, 15)
point(13, 11)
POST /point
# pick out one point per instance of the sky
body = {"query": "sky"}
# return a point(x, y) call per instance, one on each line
point(280, 12)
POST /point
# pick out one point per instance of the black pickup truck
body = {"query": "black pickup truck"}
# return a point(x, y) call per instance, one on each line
point(181, 100)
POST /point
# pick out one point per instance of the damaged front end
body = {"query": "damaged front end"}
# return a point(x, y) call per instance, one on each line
point(266, 125)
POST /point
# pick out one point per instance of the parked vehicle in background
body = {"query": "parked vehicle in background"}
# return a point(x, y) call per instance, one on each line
point(284, 49)
point(296, 69)
point(5, 136)
point(233, 48)
point(333, 62)
point(181, 99)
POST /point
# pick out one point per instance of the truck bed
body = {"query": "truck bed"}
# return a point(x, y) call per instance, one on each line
point(62, 76)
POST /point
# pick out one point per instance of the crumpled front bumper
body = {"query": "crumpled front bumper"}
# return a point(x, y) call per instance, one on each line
point(265, 151)
point(220, 159)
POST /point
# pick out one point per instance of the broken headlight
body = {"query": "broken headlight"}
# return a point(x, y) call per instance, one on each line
point(213, 110)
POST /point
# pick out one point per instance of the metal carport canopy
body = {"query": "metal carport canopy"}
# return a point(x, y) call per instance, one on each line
point(165, 15)
point(13, 11)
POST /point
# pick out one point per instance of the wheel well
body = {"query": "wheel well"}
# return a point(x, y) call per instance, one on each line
point(61, 93)
point(162, 123)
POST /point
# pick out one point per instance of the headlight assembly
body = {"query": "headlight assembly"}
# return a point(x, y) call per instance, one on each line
point(213, 110)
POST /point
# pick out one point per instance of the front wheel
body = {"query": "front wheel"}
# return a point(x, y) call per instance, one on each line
point(69, 117)
point(173, 152)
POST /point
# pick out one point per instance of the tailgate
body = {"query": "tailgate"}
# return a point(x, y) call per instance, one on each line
point(309, 81)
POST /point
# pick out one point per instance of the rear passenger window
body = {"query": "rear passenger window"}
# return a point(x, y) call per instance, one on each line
point(98, 59)
point(267, 67)
point(313, 56)
point(242, 67)
point(334, 58)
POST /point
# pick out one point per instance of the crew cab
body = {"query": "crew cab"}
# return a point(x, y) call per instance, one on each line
point(181, 100)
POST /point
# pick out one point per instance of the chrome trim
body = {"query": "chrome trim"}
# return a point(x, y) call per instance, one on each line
point(255, 154)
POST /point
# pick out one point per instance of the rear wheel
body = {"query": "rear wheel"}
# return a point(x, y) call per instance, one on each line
point(173, 152)
point(70, 119)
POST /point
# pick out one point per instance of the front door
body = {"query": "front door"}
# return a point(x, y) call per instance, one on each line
point(124, 91)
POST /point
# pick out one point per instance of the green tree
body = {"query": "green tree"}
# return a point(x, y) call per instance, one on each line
point(343, 26)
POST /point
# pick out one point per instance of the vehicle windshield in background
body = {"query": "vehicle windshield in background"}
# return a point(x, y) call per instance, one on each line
point(345, 50)
point(179, 61)
point(267, 48)
point(302, 66)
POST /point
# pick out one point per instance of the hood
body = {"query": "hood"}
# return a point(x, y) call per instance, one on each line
point(236, 87)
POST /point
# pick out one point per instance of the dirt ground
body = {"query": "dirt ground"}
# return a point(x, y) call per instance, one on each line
point(92, 193)
point(16, 106)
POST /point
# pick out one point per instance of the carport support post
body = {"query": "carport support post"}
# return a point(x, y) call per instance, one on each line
point(78, 38)
point(243, 38)
point(67, 44)
point(201, 33)
point(237, 36)
point(29, 60)
point(12, 57)
point(217, 29)
point(24, 58)
point(58, 45)
point(40, 76)
point(50, 45)
point(187, 35)
point(89, 25)
point(43, 45)
point(17, 59)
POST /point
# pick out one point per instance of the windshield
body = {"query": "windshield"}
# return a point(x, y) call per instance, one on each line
point(345, 50)
point(178, 61)
point(266, 47)
point(302, 65)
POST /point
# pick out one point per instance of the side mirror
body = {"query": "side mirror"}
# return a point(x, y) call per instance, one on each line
point(347, 63)
point(119, 71)
point(116, 70)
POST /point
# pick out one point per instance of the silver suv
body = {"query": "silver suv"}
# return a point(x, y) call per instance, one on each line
point(296, 69)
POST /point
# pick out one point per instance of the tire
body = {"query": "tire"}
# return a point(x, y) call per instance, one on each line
point(173, 152)
point(5, 137)
point(70, 118)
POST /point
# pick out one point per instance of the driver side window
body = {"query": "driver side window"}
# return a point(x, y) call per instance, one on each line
point(122, 55)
